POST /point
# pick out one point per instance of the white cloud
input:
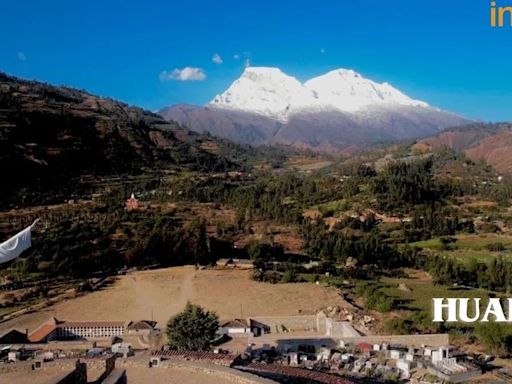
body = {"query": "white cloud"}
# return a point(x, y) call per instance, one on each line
point(217, 59)
point(22, 56)
point(236, 56)
point(184, 74)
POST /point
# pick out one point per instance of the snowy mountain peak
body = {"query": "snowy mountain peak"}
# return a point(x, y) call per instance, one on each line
point(270, 92)
point(263, 71)
point(348, 91)
point(265, 91)
point(342, 72)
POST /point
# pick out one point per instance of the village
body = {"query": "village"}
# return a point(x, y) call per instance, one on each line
point(316, 348)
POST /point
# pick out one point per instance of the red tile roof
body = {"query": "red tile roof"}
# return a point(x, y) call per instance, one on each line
point(364, 347)
point(236, 323)
point(46, 329)
point(41, 333)
point(141, 324)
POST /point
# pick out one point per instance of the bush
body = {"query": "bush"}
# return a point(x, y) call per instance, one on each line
point(495, 247)
point(290, 276)
point(193, 329)
point(447, 240)
point(374, 298)
point(489, 228)
point(398, 326)
point(495, 337)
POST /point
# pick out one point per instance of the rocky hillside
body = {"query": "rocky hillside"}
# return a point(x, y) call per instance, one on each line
point(491, 143)
point(53, 137)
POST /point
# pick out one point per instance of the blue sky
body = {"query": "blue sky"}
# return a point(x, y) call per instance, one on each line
point(443, 52)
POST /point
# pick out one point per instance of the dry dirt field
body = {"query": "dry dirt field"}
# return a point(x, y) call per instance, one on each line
point(164, 292)
point(29, 377)
point(190, 375)
point(138, 375)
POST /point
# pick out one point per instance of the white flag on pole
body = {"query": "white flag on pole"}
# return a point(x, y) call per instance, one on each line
point(20, 242)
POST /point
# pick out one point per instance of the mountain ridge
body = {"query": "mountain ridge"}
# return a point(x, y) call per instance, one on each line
point(491, 143)
point(270, 92)
point(328, 113)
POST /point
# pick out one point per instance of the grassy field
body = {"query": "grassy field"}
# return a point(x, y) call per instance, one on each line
point(420, 291)
point(308, 164)
point(467, 248)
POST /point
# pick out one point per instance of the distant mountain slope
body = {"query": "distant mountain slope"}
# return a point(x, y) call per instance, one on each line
point(52, 135)
point(331, 112)
point(491, 143)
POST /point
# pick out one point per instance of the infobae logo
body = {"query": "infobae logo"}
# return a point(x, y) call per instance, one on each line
point(500, 16)
point(468, 310)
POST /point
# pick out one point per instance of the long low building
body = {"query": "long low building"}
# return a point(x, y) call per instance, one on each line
point(55, 329)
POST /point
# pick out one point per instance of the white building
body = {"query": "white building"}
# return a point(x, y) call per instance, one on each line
point(90, 329)
point(323, 354)
point(404, 365)
point(395, 354)
point(347, 357)
point(66, 330)
point(235, 327)
point(440, 355)
point(124, 349)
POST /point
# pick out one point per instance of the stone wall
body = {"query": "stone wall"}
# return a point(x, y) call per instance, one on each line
point(435, 340)
point(318, 323)
point(340, 329)
point(78, 376)
point(65, 366)
point(290, 323)
point(117, 376)
point(229, 375)
point(107, 364)
point(455, 378)
point(321, 322)
point(285, 345)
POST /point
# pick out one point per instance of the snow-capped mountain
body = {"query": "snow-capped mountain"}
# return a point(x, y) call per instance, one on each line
point(274, 94)
point(332, 111)
point(265, 91)
point(348, 91)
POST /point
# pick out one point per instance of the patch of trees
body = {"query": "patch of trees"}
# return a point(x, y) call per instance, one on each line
point(417, 322)
point(432, 220)
point(495, 337)
point(495, 275)
point(281, 198)
point(193, 329)
point(403, 182)
point(375, 298)
point(109, 241)
point(337, 245)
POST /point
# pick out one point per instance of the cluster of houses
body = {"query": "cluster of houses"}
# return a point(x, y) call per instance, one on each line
point(320, 343)
point(386, 361)
point(382, 360)
point(316, 342)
